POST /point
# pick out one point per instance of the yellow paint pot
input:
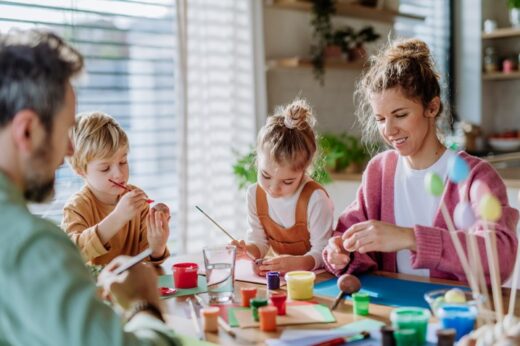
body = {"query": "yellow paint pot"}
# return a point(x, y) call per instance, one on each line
point(300, 284)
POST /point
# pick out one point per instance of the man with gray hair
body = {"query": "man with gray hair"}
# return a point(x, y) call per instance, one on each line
point(48, 296)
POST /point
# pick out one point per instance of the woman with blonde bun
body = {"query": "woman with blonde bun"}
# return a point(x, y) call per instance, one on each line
point(394, 224)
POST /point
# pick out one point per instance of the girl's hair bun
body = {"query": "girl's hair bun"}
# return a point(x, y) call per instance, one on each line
point(298, 115)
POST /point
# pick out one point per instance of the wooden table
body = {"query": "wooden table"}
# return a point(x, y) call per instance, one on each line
point(178, 316)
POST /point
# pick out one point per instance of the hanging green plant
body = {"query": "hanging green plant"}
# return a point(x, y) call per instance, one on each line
point(322, 10)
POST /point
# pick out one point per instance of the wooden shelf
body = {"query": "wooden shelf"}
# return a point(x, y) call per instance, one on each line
point(501, 33)
point(297, 62)
point(348, 10)
point(501, 75)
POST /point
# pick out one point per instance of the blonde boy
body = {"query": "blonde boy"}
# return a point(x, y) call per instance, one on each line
point(103, 219)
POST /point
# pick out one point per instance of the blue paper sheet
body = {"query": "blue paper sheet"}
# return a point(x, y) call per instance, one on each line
point(386, 291)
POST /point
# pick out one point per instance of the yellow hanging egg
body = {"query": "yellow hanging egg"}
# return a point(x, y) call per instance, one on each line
point(489, 208)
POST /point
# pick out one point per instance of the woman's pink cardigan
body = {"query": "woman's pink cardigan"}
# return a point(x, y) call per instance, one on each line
point(435, 250)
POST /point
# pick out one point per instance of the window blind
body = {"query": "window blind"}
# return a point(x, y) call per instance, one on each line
point(220, 115)
point(435, 30)
point(130, 49)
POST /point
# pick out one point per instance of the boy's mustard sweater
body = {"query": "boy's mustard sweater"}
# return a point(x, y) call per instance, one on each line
point(81, 214)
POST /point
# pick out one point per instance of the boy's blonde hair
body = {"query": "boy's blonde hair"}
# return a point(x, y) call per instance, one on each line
point(96, 135)
point(288, 135)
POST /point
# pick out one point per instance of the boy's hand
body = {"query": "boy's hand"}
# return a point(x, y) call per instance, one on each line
point(241, 248)
point(129, 205)
point(158, 232)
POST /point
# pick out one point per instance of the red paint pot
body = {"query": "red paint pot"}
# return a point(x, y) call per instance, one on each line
point(185, 275)
point(278, 300)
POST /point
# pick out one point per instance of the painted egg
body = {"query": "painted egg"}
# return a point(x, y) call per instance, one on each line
point(349, 284)
point(433, 184)
point(458, 169)
point(464, 216)
point(489, 208)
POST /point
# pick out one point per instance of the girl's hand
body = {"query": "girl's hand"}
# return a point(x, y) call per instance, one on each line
point(158, 232)
point(282, 264)
point(241, 248)
point(381, 236)
point(337, 256)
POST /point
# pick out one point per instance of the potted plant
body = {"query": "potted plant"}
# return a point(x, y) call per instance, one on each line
point(365, 35)
point(343, 152)
point(514, 12)
point(344, 39)
point(245, 171)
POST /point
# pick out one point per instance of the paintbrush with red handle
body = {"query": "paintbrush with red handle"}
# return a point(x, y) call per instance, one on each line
point(127, 189)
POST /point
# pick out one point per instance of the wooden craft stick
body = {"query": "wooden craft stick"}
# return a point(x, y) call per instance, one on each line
point(514, 285)
point(495, 274)
point(459, 249)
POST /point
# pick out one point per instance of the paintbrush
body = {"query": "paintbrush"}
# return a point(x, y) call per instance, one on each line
point(133, 261)
point(339, 298)
point(223, 230)
point(195, 320)
point(127, 189)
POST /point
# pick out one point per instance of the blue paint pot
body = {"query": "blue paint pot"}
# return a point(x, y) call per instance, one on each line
point(459, 317)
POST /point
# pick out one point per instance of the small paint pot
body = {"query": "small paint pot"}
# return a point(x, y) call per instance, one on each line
point(273, 280)
point(246, 294)
point(255, 304)
point(459, 317)
point(185, 275)
point(411, 318)
point(209, 317)
point(361, 303)
point(279, 301)
point(300, 284)
point(405, 337)
point(267, 318)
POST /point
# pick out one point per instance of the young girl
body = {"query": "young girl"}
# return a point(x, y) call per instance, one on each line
point(395, 225)
point(288, 211)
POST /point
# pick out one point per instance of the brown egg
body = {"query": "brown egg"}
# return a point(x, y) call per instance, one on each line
point(162, 208)
point(349, 283)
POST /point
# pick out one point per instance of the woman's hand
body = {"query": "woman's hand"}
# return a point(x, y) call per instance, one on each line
point(381, 236)
point(337, 256)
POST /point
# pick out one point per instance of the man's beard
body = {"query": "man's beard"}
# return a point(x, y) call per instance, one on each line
point(39, 187)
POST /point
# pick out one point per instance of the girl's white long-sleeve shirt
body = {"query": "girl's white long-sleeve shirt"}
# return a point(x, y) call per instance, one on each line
point(320, 215)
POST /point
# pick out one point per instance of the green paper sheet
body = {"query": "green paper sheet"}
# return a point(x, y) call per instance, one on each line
point(167, 281)
point(320, 314)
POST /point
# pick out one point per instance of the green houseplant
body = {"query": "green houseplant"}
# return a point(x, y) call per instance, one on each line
point(343, 152)
point(336, 44)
